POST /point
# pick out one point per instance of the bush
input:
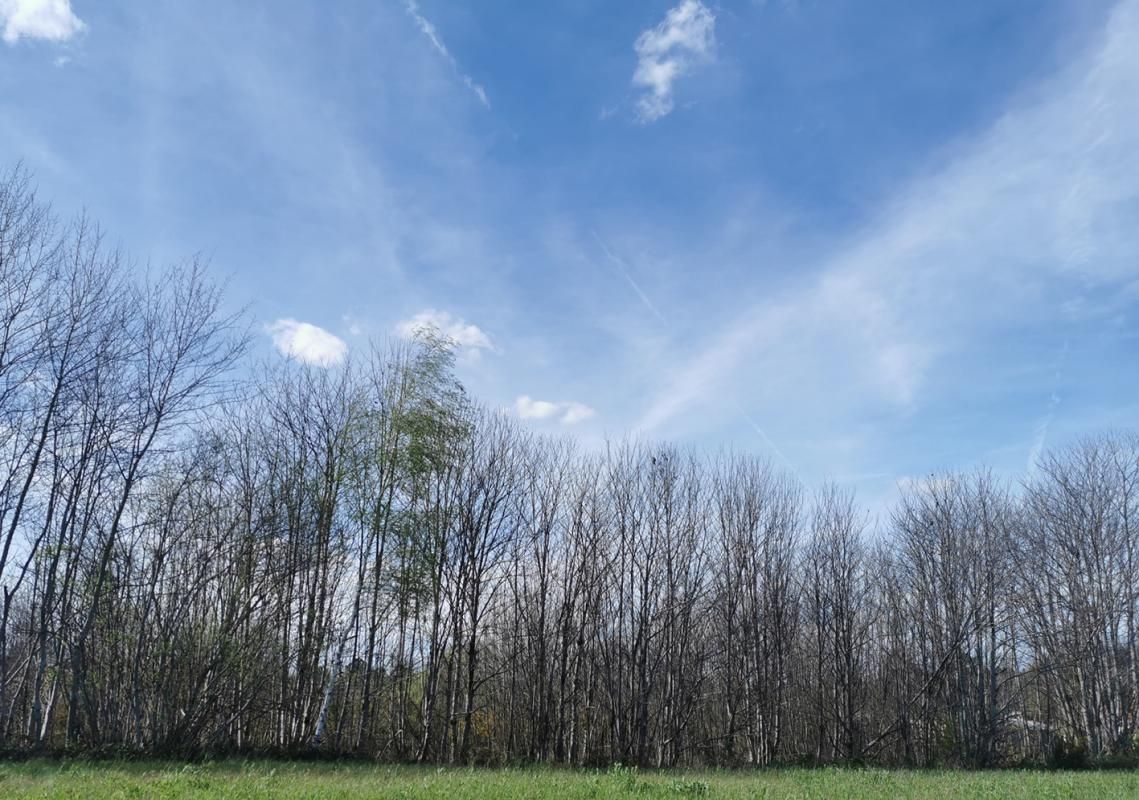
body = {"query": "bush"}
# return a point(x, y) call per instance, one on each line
point(1068, 754)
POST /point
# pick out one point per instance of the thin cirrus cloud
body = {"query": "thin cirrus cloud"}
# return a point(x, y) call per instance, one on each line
point(1034, 211)
point(686, 38)
point(461, 333)
point(428, 29)
point(47, 20)
point(566, 412)
point(307, 343)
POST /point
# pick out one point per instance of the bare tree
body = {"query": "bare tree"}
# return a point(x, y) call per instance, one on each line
point(841, 607)
point(362, 560)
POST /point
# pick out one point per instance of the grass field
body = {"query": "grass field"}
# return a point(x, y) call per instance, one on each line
point(303, 780)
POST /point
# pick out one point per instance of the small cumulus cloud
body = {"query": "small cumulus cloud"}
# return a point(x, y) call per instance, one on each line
point(460, 332)
point(567, 412)
point(307, 343)
point(577, 412)
point(48, 20)
point(529, 408)
point(685, 38)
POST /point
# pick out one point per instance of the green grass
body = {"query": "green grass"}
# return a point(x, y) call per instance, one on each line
point(263, 779)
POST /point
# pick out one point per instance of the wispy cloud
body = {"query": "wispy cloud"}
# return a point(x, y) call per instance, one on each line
point(566, 412)
point(1034, 210)
point(1041, 435)
point(432, 33)
point(307, 343)
point(49, 20)
point(462, 333)
point(352, 325)
point(682, 395)
point(685, 38)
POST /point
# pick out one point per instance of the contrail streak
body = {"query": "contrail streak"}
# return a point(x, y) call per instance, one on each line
point(620, 265)
point(622, 269)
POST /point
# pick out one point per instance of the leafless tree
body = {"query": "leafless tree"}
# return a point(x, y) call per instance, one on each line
point(361, 559)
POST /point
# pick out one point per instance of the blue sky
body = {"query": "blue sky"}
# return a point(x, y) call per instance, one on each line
point(868, 239)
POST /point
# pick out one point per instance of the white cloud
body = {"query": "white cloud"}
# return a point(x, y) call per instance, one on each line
point(686, 37)
point(1035, 209)
point(577, 412)
point(50, 20)
point(568, 413)
point(307, 343)
point(428, 29)
point(462, 333)
point(528, 408)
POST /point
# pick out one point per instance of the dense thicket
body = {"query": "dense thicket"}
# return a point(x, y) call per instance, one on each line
point(360, 560)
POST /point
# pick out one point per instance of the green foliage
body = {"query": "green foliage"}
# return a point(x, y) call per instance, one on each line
point(689, 788)
point(436, 420)
point(432, 423)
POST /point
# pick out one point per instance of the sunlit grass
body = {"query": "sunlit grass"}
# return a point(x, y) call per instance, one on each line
point(285, 780)
point(235, 779)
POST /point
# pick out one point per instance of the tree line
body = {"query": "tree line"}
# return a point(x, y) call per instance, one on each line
point(198, 555)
